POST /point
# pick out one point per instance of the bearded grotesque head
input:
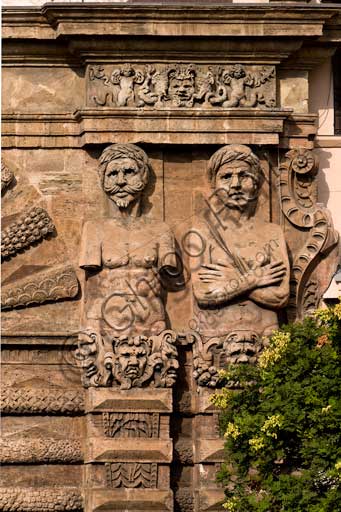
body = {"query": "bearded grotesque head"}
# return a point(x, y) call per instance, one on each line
point(124, 172)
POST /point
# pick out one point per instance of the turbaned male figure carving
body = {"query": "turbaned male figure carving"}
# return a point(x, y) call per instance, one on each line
point(124, 254)
point(242, 278)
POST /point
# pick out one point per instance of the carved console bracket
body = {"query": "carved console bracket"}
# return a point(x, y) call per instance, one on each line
point(298, 192)
point(107, 362)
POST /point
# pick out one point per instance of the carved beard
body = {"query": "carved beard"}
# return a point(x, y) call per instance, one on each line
point(133, 191)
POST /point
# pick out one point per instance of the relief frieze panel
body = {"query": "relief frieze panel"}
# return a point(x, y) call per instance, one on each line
point(131, 475)
point(181, 85)
point(130, 424)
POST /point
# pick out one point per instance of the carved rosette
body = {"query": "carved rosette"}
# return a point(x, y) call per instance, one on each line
point(182, 86)
point(128, 361)
point(298, 193)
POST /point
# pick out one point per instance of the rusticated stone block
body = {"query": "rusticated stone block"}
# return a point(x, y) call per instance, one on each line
point(41, 401)
point(40, 450)
point(13, 499)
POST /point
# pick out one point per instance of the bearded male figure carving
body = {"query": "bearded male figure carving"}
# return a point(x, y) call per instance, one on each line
point(242, 276)
point(125, 255)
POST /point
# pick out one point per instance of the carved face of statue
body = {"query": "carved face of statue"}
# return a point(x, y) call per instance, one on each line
point(238, 183)
point(132, 360)
point(182, 90)
point(170, 362)
point(123, 181)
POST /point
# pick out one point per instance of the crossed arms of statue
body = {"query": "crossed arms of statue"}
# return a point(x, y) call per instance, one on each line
point(267, 284)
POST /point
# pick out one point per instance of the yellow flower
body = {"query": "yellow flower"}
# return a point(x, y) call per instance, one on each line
point(231, 505)
point(257, 443)
point(232, 431)
point(338, 465)
point(271, 424)
point(278, 345)
point(326, 409)
point(221, 399)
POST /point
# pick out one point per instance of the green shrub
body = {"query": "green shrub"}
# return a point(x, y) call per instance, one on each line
point(283, 424)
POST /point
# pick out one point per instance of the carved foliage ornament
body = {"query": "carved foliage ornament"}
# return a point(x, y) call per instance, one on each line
point(182, 85)
point(131, 474)
point(130, 424)
point(126, 362)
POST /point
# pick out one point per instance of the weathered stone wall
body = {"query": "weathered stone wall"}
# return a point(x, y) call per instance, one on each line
point(128, 281)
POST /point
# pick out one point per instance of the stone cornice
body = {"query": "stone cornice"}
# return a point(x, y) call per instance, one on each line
point(102, 126)
point(61, 20)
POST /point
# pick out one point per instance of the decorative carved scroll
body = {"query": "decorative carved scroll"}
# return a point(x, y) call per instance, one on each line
point(44, 499)
point(130, 424)
point(39, 450)
point(127, 362)
point(132, 475)
point(298, 190)
point(50, 284)
point(30, 228)
point(182, 86)
point(41, 401)
point(7, 176)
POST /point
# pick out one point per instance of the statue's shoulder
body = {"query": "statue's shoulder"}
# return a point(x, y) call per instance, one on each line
point(269, 228)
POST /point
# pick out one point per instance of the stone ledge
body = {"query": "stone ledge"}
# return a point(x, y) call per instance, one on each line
point(137, 400)
point(55, 20)
point(209, 450)
point(187, 126)
point(129, 500)
point(99, 449)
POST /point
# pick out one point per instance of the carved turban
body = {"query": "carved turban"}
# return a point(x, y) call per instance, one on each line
point(115, 151)
point(232, 153)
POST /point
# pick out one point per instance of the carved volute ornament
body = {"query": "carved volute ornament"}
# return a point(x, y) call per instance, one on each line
point(298, 193)
point(124, 256)
point(242, 277)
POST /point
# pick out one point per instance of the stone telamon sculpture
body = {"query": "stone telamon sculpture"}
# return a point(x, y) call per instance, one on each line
point(124, 257)
point(241, 278)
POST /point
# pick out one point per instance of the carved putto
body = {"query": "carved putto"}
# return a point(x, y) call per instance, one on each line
point(182, 86)
point(127, 362)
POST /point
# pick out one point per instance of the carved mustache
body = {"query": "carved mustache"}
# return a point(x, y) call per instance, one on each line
point(131, 189)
